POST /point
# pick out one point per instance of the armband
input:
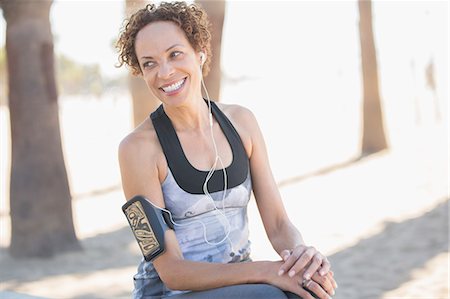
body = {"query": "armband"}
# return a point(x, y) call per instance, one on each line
point(148, 224)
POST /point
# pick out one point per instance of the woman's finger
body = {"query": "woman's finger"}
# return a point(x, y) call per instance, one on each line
point(302, 261)
point(333, 281)
point(291, 260)
point(316, 289)
point(326, 282)
point(285, 254)
point(325, 267)
point(317, 260)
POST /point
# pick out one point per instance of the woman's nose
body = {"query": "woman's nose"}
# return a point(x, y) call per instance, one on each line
point(165, 70)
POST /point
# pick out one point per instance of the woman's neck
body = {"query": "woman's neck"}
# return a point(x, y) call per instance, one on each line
point(194, 115)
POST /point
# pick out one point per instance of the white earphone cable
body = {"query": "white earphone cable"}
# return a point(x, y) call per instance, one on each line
point(217, 159)
point(214, 168)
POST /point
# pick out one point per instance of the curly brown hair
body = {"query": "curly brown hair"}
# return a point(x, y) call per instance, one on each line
point(191, 18)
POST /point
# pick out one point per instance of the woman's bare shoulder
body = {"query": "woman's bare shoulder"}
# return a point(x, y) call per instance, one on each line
point(238, 114)
point(243, 121)
point(142, 163)
point(141, 144)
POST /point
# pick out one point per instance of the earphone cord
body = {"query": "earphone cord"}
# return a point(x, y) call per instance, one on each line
point(205, 184)
point(212, 170)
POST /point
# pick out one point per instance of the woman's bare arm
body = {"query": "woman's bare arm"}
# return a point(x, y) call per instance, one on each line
point(142, 170)
point(283, 235)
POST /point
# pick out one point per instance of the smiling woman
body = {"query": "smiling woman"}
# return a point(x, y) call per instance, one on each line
point(171, 67)
point(195, 27)
point(171, 160)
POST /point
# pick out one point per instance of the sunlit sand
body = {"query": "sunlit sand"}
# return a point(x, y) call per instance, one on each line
point(337, 212)
point(382, 219)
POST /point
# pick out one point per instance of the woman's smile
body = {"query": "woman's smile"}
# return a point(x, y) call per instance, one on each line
point(173, 88)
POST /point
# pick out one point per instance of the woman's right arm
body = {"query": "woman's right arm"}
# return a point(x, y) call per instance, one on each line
point(141, 163)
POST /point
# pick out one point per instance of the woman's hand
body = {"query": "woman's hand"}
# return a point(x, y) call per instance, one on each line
point(321, 286)
point(304, 259)
point(317, 284)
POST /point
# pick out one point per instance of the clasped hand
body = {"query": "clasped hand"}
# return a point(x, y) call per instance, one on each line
point(312, 266)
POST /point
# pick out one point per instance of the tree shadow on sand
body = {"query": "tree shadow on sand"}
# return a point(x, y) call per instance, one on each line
point(398, 250)
point(322, 171)
point(104, 251)
point(391, 256)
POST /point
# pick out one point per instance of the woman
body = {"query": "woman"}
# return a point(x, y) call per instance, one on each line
point(172, 159)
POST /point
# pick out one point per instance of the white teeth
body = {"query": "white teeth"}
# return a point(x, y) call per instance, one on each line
point(173, 86)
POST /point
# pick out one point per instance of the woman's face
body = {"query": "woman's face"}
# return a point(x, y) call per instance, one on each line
point(169, 64)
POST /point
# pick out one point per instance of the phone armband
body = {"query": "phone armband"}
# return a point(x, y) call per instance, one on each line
point(148, 225)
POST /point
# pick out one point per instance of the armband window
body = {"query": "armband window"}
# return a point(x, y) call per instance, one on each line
point(148, 224)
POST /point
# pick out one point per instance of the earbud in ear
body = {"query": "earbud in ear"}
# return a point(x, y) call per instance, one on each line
point(202, 58)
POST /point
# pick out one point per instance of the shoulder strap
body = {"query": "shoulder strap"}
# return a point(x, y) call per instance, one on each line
point(189, 178)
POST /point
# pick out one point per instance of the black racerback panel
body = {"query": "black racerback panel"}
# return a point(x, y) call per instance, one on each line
point(188, 177)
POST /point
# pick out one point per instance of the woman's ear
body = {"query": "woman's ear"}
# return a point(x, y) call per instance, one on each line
point(202, 58)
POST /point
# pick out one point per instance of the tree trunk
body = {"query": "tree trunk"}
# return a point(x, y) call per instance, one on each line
point(144, 102)
point(40, 200)
point(216, 13)
point(373, 137)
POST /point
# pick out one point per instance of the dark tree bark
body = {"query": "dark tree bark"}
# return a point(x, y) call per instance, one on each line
point(144, 102)
point(40, 200)
point(373, 137)
point(216, 13)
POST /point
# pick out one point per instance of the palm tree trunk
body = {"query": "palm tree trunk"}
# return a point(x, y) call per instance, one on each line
point(216, 13)
point(40, 200)
point(373, 137)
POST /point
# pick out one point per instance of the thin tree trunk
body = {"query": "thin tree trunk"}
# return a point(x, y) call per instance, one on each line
point(41, 211)
point(144, 102)
point(373, 137)
point(216, 13)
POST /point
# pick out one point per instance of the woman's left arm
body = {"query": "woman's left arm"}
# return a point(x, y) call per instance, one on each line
point(284, 237)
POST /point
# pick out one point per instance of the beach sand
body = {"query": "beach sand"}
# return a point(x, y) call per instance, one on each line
point(382, 220)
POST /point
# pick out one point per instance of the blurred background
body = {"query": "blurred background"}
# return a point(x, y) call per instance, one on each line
point(351, 96)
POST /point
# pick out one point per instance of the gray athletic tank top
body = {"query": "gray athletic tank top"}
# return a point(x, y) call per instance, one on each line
point(190, 207)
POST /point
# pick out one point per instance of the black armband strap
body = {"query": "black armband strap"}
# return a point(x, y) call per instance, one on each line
point(148, 225)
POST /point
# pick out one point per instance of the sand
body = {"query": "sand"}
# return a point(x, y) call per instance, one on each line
point(382, 220)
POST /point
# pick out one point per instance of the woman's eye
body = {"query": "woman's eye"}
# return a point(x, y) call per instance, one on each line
point(148, 64)
point(175, 54)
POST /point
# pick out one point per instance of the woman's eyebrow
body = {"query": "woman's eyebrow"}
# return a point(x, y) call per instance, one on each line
point(167, 50)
